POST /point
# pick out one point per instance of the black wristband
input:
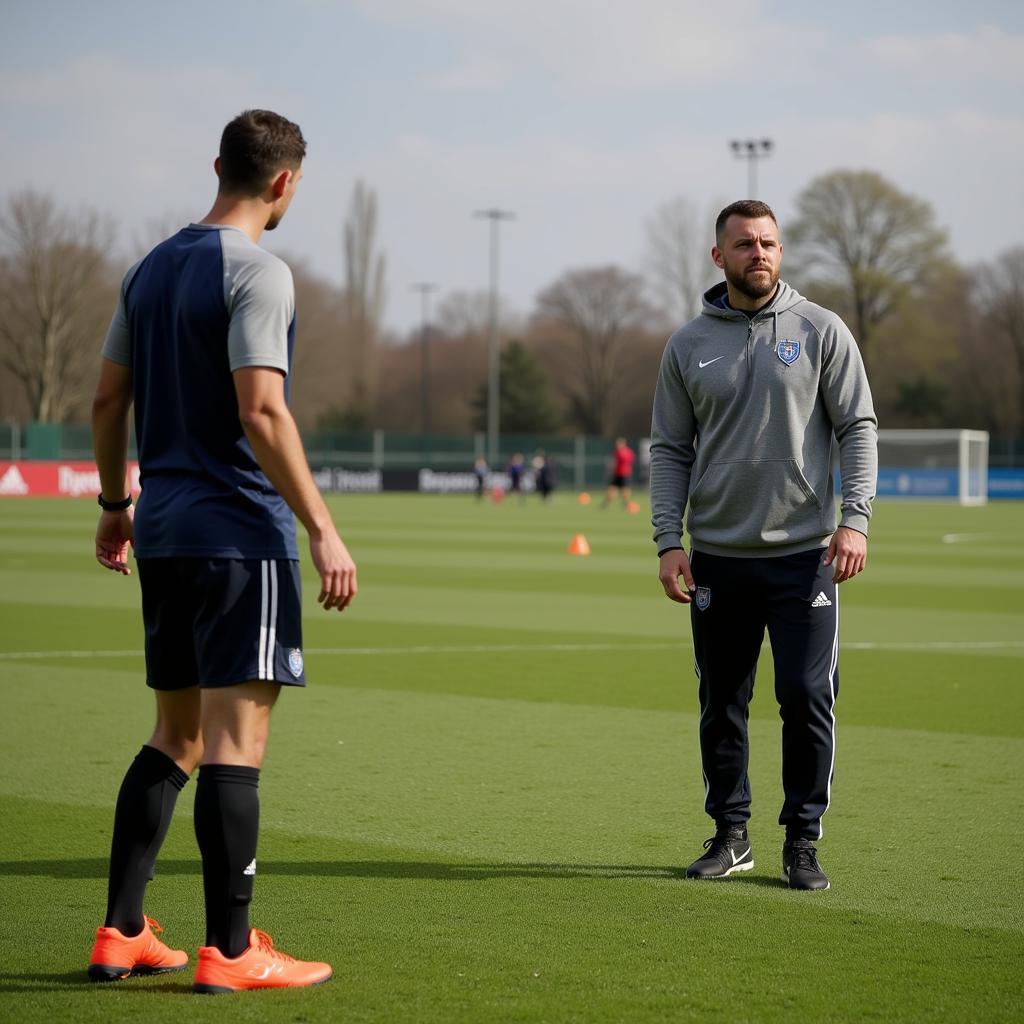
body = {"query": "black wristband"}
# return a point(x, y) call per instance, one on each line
point(665, 551)
point(113, 506)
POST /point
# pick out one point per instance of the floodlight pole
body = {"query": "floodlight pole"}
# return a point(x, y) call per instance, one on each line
point(424, 288)
point(494, 356)
point(751, 150)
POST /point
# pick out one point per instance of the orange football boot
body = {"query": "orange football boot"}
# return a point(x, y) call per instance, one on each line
point(115, 956)
point(260, 966)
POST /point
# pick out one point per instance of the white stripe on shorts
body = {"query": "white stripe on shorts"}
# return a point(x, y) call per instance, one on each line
point(264, 597)
point(272, 622)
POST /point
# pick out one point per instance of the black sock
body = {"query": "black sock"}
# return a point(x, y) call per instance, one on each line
point(145, 805)
point(227, 820)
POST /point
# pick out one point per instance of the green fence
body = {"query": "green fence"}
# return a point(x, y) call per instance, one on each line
point(580, 462)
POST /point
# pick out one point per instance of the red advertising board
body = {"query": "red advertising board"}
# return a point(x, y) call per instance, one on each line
point(55, 479)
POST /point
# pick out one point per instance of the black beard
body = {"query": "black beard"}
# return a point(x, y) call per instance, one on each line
point(750, 290)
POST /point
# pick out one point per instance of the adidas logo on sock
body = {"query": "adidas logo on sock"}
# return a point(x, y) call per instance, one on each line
point(821, 601)
point(251, 869)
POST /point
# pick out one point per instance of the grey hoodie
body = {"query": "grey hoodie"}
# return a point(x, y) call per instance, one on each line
point(745, 413)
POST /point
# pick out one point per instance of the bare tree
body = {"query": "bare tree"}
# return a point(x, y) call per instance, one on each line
point(598, 311)
point(461, 312)
point(999, 291)
point(678, 257)
point(155, 229)
point(323, 346)
point(458, 366)
point(866, 243)
point(57, 292)
point(364, 290)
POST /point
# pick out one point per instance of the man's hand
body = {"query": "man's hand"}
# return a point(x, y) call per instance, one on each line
point(114, 532)
point(848, 549)
point(337, 571)
point(674, 564)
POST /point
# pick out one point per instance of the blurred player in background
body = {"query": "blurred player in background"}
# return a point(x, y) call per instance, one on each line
point(623, 459)
point(201, 343)
point(515, 470)
point(481, 471)
point(543, 474)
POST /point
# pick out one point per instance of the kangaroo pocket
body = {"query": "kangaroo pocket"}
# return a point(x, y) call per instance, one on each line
point(749, 504)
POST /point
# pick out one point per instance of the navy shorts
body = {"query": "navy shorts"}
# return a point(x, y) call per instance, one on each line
point(221, 621)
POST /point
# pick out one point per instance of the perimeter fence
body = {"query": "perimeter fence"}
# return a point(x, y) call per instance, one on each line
point(577, 462)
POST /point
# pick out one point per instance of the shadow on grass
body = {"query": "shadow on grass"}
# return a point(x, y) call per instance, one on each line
point(36, 981)
point(96, 867)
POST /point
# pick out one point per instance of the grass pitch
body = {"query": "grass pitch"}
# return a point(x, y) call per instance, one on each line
point(481, 807)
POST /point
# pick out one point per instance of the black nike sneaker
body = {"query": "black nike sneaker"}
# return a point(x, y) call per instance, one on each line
point(800, 867)
point(728, 851)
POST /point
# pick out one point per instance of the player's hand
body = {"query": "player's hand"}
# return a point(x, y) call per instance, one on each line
point(115, 531)
point(674, 564)
point(848, 550)
point(337, 571)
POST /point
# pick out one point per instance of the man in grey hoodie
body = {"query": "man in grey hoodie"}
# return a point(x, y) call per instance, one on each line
point(751, 397)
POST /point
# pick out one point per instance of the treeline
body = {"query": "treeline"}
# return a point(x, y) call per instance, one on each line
point(943, 343)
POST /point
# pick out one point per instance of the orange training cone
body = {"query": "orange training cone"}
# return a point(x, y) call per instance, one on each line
point(584, 498)
point(578, 545)
point(632, 508)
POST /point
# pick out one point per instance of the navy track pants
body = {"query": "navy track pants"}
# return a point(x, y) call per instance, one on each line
point(794, 598)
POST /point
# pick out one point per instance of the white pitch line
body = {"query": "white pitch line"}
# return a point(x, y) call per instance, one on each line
point(956, 538)
point(421, 649)
point(932, 645)
point(856, 645)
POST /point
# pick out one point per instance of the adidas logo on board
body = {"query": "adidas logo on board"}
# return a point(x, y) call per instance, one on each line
point(12, 482)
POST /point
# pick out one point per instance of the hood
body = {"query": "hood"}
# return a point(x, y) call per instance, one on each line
point(714, 302)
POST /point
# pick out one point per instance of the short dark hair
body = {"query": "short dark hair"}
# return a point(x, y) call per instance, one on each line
point(254, 147)
point(749, 208)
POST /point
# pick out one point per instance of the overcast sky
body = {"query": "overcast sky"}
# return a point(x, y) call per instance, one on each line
point(582, 116)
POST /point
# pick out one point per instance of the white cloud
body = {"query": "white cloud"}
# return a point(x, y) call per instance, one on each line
point(104, 85)
point(472, 76)
point(599, 48)
point(985, 53)
point(133, 140)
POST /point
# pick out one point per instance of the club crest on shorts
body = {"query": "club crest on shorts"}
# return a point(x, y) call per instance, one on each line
point(703, 598)
point(788, 351)
point(295, 662)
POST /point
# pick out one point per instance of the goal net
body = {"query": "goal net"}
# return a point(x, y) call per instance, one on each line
point(950, 464)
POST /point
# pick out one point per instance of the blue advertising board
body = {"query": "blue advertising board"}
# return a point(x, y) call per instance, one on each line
point(896, 482)
point(1006, 483)
point(914, 482)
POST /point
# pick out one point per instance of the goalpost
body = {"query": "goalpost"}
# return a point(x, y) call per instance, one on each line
point(950, 464)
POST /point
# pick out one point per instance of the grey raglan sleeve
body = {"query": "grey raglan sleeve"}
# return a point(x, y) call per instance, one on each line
point(261, 306)
point(117, 347)
point(847, 397)
point(673, 433)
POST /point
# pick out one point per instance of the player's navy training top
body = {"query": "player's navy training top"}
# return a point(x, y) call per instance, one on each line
point(201, 305)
